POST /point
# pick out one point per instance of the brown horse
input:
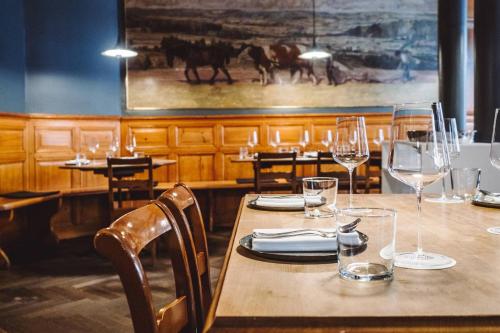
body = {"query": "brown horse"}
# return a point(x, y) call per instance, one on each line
point(262, 63)
point(286, 56)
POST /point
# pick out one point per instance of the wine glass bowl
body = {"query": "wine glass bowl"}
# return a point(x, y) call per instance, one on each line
point(130, 142)
point(327, 139)
point(418, 157)
point(92, 146)
point(350, 148)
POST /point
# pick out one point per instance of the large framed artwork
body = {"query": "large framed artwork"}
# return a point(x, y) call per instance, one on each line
point(232, 54)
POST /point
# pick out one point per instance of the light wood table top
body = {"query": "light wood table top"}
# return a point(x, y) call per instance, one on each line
point(103, 165)
point(258, 295)
point(124, 170)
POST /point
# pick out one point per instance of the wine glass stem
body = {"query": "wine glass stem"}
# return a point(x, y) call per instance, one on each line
point(350, 187)
point(420, 250)
point(443, 188)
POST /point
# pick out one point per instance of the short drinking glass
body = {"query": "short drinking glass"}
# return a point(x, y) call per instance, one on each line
point(465, 182)
point(366, 243)
point(320, 196)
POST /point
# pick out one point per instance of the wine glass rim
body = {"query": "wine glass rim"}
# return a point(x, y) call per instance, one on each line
point(318, 179)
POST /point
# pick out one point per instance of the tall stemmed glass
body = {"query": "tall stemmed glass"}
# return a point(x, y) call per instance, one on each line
point(276, 140)
point(351, 145)
point(495, 141)
point(252, 141)
point(327, 139)
point(130, 142)
point(304, 140)
point(495, 154)
point(92, 145)
point(451, 133)
point(418, 156)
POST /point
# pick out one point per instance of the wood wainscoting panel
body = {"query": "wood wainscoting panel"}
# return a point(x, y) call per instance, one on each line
point(151, 139)
point(54, 140)
point(196, 167)
point(12, 177)
point(289, 134)
point(195, 136)
point(236, 170)
point(13, 153)
point(238, 136)
point(49, 177)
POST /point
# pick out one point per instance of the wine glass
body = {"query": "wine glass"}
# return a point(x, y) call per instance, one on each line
point(92, 145)
point(351, 145)
point(252, 140)
point(304, 140)
point(495, 141)
point(130, 142)
point(327, 139)
point(451, 134)
point(276, 140)
point(418, 157)
point(377, 140)
point(495, 152)
point(114, 146)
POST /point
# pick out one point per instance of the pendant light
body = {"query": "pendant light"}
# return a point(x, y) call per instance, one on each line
point(120, 50)
point(315, 52)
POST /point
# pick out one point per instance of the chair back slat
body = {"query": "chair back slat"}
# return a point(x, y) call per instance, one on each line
point(174, 316)
point(263, 176)
point(122, 242)
point(187, 214)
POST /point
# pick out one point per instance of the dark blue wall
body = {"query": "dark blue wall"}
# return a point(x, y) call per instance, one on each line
point(65, 72)
point(12, 56)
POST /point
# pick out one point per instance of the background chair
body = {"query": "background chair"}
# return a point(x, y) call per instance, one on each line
point(325, 161)
point(181, 201)
point(266, 178)
point(126, 193)
point(122, 242)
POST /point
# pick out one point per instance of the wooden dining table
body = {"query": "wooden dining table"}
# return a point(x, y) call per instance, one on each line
point(262, 295)
point(100, 167)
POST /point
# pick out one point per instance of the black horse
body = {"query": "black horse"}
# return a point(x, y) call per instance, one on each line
point(197, 54)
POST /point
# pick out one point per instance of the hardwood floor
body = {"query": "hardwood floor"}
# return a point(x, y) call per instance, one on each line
point(75, 290)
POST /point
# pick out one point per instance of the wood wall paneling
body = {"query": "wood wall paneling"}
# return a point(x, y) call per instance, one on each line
point(13, 154)
point(203, 146)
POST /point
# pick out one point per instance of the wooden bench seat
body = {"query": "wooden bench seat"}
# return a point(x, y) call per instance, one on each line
point(25, 224)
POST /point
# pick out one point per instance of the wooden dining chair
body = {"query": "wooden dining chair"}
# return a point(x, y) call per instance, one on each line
point(187, 214)
point(123, 189)
point(326, 159)
point(122, 242)
point(266, 178)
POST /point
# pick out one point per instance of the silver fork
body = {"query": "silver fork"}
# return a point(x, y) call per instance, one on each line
point(300, 232)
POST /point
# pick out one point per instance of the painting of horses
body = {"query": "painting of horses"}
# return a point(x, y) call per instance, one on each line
point(234, 54)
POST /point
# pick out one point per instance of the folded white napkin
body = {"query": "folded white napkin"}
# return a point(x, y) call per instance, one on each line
point(75, 162)
point(491, 199)
point(305, 243)
point(286, 201)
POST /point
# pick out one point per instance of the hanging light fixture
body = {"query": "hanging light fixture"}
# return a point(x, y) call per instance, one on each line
point(315, 52)
point(120, 50)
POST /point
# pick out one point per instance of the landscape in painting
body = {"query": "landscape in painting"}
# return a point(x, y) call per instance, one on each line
point(245, 53)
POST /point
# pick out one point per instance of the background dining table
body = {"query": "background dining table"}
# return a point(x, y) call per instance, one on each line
point(101, 167)
point(264, 295)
